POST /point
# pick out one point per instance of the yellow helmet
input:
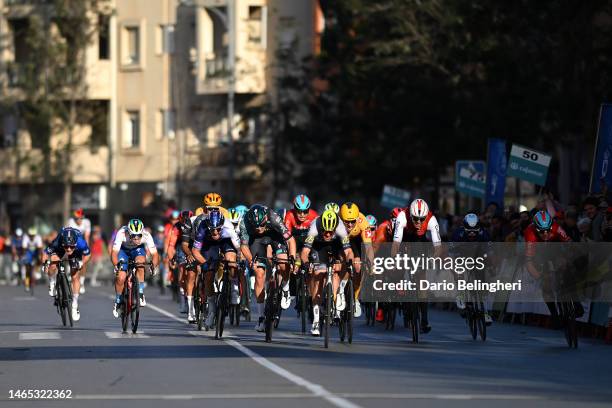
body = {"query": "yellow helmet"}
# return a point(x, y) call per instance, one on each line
point(329, 220)
point(212, 200)
point(349, 211)
point(199, 211)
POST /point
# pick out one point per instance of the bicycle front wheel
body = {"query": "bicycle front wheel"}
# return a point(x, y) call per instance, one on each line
point(350, 307)
point(329, 300)
point(135, 310)
point(67, 298)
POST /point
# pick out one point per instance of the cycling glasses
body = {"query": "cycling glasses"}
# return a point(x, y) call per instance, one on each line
point(418, 219)
point(135, 236)
point(69, 246)
point(303, 212)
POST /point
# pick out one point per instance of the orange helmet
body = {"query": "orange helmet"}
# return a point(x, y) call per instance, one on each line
point(212, 200)
point(199, 211)
point(349, 211)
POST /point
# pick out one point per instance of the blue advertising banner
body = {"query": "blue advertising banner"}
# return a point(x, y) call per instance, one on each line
point(394, 197)
point(603, 150)
point(470, 177)
point(496, 172)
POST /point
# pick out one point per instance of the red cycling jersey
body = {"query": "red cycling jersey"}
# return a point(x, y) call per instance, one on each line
point(384, 233)
point(291, 221)
point(557, 234)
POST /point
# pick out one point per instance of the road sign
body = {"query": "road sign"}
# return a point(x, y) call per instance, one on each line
point(394, 197)
point(528, 164)
point(470, 177)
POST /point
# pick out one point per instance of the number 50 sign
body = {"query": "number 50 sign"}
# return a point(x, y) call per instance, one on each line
point(528, 164)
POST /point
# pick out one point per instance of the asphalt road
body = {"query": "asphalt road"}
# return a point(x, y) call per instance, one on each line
point(170, 364)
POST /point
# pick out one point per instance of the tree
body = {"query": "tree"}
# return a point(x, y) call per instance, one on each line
point(53, 83)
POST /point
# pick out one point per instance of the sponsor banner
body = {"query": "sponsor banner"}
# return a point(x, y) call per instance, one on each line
point(528, 164)
point(602, 169)
point(496, 171)
point(413, 272)
point(394, 197)
point(470, 177)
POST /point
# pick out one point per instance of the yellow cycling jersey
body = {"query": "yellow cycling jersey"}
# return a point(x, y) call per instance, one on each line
point(361, 229)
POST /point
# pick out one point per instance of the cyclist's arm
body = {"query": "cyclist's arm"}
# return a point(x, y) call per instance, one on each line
point(116, 247)
point(197, 254)
point(398, 232)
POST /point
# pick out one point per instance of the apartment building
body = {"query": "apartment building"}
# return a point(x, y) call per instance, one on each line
point(157, 71)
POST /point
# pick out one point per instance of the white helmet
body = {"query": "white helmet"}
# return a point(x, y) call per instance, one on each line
point(19, 232)
point(419, 208)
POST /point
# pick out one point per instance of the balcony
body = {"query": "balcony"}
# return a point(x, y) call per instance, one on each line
point(217, 66)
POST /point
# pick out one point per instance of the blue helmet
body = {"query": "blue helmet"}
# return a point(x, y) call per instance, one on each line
point(301, 202)
point(371, 221)
point(215, 219)
point(471, 223)
point(543, 221)
point(241, 209)
point(69, 237)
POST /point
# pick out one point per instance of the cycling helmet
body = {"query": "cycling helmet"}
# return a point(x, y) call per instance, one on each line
point(212, 200)
point(395, 212)
point(301, 202)
point(69, 237)
point(542, 221)
point(329, 220)
point(257, 215)
point(332, 206)
point(419, 209)
point(241, 209)
point(32, 231)
point(78, 213)
point(371, 220)
point(234, 215)
point(349, 211)
point(185, 215)
point(136, 227)
point(199, 211)
point(215, 220)
point(471, 223)
point(18, 232)
point(175, 214)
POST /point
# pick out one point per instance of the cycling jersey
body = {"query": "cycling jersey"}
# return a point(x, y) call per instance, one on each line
point(460, 235)
point(274, 228)
point(56, 246)
point(361, 229)
point(384, 233)
point(315, 235)
point(296, 227)
point(85, 226)
point(557, 234)
point(405, 231)
point(123, 241)
point(32, 244)
point(227, 233)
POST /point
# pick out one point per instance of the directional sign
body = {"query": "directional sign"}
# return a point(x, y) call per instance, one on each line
point(470, 177)
point(528, 164)
point(394, 197)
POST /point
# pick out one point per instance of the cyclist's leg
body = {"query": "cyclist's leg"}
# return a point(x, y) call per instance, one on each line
point(52, 272)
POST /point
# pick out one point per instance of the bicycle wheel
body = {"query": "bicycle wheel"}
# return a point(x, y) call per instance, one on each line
point(414, 321)
point(302, 302)
point(67, 298)
point(197, 301)
point(126, 304)
point(222, 306)
point(471, 319)
point(350, 300)
point(328, 312)
point(135, 310)
point(482, 324)
point(568, 317)
point(269, 310)
point(59, 301)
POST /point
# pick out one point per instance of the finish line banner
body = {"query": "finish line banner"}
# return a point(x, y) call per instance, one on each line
point(535, 272)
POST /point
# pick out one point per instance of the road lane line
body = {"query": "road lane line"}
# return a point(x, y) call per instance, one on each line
point(129, 335)
point(190, 396)
point(316, 389)
point(39, 336)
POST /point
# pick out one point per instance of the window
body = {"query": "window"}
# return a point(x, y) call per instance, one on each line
point(133, 46)
point(168, 123)
point(103, 37)
point(255, 28)
point(165, 39)
point(131, 134)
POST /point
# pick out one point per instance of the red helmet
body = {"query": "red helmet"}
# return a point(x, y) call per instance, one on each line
point(185, 215)
point(395, 212)
point(78, 213)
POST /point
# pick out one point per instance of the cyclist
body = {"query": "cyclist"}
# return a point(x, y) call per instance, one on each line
point(69, 243)
point(332, 206)
point(132, 243)
point(359, 234)
point(544, 229)
point(327, 233)
point(215, 236)
point(177, 256)
point(263, 227)
point(32, 246)
point(472, 231)
point(78, 221)
point(422, 227)
point(17, 252)
point(214, 200)
point(372, 222)
point(384, 231)
point(299, 219)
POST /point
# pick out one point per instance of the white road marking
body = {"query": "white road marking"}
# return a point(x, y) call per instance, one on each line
point(39, 336)
point(316, 389)
point(128, 335)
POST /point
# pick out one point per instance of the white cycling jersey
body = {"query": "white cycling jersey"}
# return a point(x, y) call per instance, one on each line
point(123, 241)
point(32, 243)
point(429, 227)
point(85, 226)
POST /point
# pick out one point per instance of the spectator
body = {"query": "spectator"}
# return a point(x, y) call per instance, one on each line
point(584, 227)
point(590, 207)
point(570, 226)
point(98, 252)
point(607, 226)
point(516, 233)
point(5, 256)
point(496, 229)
